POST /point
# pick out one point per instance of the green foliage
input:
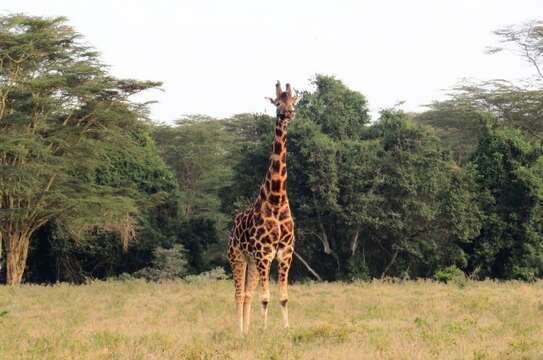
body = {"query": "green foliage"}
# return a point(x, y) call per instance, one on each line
point(358, 270)
point(204, 242)
point(458, 125)
point(417, 203)
point(217, 273)
point(83, 174)
point(249, 156)
point(450, 274)
point(382, 199)
point(460, 121)
point(340, 112)
point(509, 169)
point(200, 151)
point(509, 104)
point(167, 264)
point(138, 167)
point(196, 149)
point(73, 147)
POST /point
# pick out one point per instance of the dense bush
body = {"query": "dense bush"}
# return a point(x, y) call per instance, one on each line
point(450, 274)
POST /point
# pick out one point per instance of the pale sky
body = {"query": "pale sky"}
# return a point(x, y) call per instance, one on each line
point(223, 57)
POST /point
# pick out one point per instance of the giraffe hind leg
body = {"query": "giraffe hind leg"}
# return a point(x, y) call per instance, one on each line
point(251, 282)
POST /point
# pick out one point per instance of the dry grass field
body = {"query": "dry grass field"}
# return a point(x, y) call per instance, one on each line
point(178, 320)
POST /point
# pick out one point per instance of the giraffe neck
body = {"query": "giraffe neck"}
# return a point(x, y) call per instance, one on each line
point(274, 188)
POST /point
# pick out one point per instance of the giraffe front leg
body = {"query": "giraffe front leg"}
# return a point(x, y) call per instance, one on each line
point(251, 281)
point(285, 258)
point(239, 269)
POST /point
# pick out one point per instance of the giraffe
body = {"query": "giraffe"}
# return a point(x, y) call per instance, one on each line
point(265, 230)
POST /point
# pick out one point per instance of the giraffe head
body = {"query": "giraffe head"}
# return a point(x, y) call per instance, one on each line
point(284, 101)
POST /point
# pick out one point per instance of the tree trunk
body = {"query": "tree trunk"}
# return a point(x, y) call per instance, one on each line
point(324, 238)
point(354, 241)
point(16, 246)
point(390, 263)
point(327, 248)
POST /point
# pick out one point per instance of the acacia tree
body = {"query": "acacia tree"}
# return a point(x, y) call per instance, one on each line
point(460, 121)
point(526, 40)
point(58, 107)
point(458, 125)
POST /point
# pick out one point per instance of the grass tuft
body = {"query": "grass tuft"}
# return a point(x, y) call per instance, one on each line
point(319, 333)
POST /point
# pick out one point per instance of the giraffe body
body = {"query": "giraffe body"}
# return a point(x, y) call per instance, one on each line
point(265, 230)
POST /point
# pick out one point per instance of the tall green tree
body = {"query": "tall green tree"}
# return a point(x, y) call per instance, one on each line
point(197, 149)
point(340, 112)
point(509, 172)
point(60, 115)
point(413, 204)
point(327, 116)
point(56, 255)
point(252, 136)
point(313, 188)
point(202, 151)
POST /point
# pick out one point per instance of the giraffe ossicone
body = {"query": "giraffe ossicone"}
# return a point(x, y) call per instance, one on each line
point(265, 231)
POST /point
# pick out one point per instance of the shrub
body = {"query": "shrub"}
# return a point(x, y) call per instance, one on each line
point(217, 273)
point(358, 270)
point(524, 273)
point(451, 274)
point(166, 264)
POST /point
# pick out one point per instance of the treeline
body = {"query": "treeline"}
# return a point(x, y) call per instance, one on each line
point(89, 188)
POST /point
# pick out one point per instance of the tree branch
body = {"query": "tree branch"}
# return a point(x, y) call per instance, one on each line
point(307, 266)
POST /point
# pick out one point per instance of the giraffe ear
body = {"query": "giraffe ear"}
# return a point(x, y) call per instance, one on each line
point(271, 100)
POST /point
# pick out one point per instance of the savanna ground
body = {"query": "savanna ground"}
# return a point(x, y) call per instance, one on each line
point(178, 320)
